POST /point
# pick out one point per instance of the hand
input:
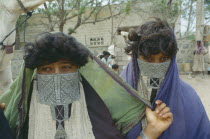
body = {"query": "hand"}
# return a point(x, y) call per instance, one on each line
point(2, 106)
point(158, 120)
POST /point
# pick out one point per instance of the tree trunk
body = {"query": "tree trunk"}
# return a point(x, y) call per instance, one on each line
point(61, 27)
point(112, 24)
point(17, 40)
point(199, 20)
point(62, 12)
point(190, 18)
point(49, 17)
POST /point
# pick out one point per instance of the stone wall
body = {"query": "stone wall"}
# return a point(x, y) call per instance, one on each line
point(185, 54)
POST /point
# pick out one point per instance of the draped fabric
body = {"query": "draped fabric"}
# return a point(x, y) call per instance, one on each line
point(43, 126)
point(126, 110)
point(123, 106)
point(190, 118)
point(100, 117)
point(5, 131)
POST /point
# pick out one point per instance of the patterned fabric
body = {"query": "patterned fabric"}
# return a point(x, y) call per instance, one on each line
point(153, 70)
point(43, 126)
point(58, 91)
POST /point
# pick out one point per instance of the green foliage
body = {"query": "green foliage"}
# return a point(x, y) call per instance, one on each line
point(52, 9)
point(191, 36)
point(20, 20)
point(128, 7)
point(162, 9)
point(71, 30)
point(84, 9)
point(186, 8)
point(207, 10)
point(207, 2)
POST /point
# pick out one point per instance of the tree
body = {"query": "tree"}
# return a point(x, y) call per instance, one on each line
point(188, 14)
point(168, 10)
point(84, 11)
point(19, 30)
point(207, 11)
point(199, 19)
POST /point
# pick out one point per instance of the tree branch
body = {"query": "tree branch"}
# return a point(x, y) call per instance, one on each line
point(99, 20)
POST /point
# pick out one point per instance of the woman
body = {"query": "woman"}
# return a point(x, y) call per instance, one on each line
point(198, 63)
point(153, 72)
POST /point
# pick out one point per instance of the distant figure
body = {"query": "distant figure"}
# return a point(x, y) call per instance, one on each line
point(111, 61)
point(115, 67)
point(198, 63)
point(106, 58)
point(101, 56)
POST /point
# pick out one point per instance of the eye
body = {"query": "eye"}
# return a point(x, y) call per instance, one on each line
point(46, 69)
point(147, 58)
point(66, 67)
point(165, 58)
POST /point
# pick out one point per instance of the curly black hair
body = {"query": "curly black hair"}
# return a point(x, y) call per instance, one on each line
point(106, 53)
point(115, 66)
point(52, 47)
point(152, 38)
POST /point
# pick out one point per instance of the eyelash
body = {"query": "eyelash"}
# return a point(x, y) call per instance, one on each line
point(46, 69)
point(165, 58)
point(148, 59)
point(65, 67)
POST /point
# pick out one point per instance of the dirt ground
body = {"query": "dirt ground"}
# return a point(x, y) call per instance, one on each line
point(202, 86)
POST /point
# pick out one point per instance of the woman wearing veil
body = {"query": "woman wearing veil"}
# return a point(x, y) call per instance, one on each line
point(153, 72)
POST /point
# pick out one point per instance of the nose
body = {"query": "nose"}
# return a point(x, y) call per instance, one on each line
point(156, 61)
point(57, 71)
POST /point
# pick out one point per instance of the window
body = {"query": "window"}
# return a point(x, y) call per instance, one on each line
point(96, 41)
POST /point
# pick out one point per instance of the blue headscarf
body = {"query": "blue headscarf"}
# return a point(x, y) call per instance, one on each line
point(190, 118)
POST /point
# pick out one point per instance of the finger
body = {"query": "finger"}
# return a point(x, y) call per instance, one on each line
point(148, 110)
point(160, 107)
point(158, 102)
point(2, 106)
point(168, 116)
point(164, 111)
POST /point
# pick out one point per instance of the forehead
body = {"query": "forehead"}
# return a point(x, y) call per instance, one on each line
point(59, 62)
point(157, 55)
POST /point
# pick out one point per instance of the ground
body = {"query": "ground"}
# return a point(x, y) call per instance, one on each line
point(202, 87)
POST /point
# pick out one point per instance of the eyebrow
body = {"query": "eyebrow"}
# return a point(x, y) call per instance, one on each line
point(46, 65)
point(66, 62)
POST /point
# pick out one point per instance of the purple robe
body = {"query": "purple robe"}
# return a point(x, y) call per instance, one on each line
point(190, 118)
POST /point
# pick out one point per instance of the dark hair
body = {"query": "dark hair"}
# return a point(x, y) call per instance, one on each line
point(152, 38)
point(115, 66)
point(101, 56)
point(52, 47)
point(106, 53)
point(198, 42)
